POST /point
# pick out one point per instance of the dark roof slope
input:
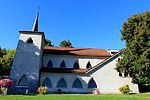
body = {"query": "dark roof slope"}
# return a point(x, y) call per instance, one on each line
point(62, 70)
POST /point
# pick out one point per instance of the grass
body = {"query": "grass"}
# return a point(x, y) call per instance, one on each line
point(143, 96)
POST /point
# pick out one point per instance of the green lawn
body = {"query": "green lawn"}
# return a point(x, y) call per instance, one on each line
point(145, 96)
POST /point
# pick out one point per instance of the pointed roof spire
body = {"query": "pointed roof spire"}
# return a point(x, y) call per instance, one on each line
point(35, 26)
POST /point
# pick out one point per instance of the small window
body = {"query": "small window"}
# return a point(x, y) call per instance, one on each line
point(119, 59)
point(23, 81)
point(120, 74)
point(62, 83)
point(76, 65)
point(88, 65)
point(126, 74)
point(47, 82)
point(77, 84)
point(50, 64)
point(30, 40)
point(92, 83)
point(63, 65)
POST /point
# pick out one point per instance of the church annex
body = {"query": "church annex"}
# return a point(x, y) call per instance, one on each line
point(71, 70)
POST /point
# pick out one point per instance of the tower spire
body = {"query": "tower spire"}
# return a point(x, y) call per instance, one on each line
point(35, 25)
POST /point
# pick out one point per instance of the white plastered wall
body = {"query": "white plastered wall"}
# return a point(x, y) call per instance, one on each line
point(109, 81)
point(70, 60)
point(106, 78)
point(69, 78)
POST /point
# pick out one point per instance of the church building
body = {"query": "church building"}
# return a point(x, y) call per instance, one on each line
point(69, 70)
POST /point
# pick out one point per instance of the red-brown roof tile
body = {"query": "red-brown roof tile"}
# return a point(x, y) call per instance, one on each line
point(81, 71)
point(76, 51)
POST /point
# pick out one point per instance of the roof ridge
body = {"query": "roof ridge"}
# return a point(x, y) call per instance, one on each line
point(76, 51)
point(74, 47)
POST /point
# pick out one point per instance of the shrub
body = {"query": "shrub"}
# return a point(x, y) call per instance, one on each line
point(96, 92)
point(43, 89)
point(124, 89)
point(6, 82)
point(4, 85)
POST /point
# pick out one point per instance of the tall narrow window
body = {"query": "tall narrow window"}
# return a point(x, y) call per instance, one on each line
point(76, 65)
point(62, 83)
point(23, 81)
point(77, 84)
point(47, 82)
point(30, 40)
point(88, 65)
point(50, 64)
point(63, 65)
point(120, 74)
point(92, 83)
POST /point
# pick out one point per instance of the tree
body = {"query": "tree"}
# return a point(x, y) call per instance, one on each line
point(6, 61)
point(135, 60)
point(66, 43)
point(1, 52)
point(48, 43)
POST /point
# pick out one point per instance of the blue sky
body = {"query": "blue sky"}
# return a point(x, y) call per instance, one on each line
point(86, 23)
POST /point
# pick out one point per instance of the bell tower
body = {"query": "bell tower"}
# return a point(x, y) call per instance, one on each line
point(28, 61)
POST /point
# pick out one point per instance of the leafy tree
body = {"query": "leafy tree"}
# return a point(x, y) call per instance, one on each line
point(66, 43)
point(6, 61)
point(48, 43)
point(135, 60)
point(1, 52)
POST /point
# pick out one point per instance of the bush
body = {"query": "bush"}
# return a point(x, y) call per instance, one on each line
point(43, 89)
point(124, 89)
point(5, 83)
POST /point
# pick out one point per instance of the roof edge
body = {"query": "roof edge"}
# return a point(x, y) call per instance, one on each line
point(103, 62)
point(31, 32)
point(62, 70)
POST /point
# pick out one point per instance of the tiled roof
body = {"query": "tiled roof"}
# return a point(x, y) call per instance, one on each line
point(76, 51)
point(71, 70)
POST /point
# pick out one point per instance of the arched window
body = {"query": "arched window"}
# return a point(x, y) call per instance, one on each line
point(62, 83)
point(47, 82)
point(63, 65)
point(30, 40)
point(23, 81)
point(50, 64)
point(92, 83)
point(88, 65)
point(77, 84)
point(76, 65)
